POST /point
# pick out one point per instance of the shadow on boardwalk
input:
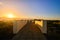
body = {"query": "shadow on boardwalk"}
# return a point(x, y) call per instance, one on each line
point(29, 32)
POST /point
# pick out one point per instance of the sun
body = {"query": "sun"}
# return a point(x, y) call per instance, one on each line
point(10, 15)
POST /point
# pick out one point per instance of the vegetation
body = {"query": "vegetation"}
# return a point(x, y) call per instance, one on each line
point(53, 30)
point(6, 29)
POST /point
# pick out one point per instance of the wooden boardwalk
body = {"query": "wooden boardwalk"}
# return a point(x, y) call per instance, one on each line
point(29, 32)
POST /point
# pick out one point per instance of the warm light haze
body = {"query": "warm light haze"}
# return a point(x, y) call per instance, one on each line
point(10, 16)
point(38, 9)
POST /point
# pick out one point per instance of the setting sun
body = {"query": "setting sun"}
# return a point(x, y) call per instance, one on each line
point(10, 15)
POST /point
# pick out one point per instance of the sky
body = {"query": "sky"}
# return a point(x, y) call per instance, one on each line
point(31, 8)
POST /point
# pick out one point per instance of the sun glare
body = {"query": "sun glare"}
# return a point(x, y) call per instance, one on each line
point(10, 15)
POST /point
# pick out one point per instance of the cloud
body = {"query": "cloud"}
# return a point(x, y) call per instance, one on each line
point(1, 3)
